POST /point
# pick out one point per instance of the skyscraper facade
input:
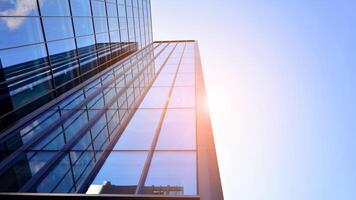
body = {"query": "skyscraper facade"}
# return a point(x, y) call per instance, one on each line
point(49, 46)
point(137, 128)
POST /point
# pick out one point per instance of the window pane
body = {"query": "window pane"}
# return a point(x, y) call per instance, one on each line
point(113, 24)
point(102, 38)
point(182, 97)
point(98, 8)
point(61, 46)
point(139, 132)
point(178, 131)
point(83, 26)
point(22, 54)
point(128, 168)
point(174, 169)
point(185, 79)
point(16, 31)
point(121, 10)
point(54, 8)
point(100, 25)
point(8, 8)
point(155, 98)
point(112, 11)
point(80, 7)
point(163, 80)
point(115, 36)
point(57, 28)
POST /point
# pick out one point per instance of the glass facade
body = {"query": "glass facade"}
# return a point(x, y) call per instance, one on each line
point(91, 105)
point(49, 46)
point(135, 115)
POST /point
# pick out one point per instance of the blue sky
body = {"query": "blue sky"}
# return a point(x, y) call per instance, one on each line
point(281, 78)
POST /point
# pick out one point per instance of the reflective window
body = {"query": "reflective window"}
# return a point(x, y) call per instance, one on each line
point(121, 10)
point(127, 170)
point(102, 38)
point(85, 42)
point(113, 24)
point(111, 8)
point(123, 23)
point(54, 8)
point(98, 8)
point(182, 97)
point(176, 170)
point(187, 68)
point(23, 54)
point(139, 132)
point(155, 98)
point(115, 36)
point(100, 25)
point(13, 8)
point(169, 69)
point(185, 79)
point(83, 26)
point(80, 7)
point(178, 130)
point(16, 31)
point(57, 28)
point(61, 46)
point(164, 80)
point(52, 179)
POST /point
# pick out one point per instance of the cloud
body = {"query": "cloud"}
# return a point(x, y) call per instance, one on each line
point(22, 8)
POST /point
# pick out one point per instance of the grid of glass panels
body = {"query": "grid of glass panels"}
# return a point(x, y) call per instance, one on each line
point(58, 149)
point(50, 46)
point(156, 154)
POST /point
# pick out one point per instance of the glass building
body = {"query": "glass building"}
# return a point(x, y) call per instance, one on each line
point(93, 108)
point(49, 46)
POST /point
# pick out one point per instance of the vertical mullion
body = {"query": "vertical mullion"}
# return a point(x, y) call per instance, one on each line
point(107, 23)
point(94, 31)
point(75, 41)
point(47, 51)
point(149, 158)
point(150, 19)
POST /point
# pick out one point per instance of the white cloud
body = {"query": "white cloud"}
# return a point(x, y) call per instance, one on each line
point(22, 8)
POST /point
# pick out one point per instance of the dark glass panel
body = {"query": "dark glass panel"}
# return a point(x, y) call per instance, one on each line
point(57, 28)
point(63, 60)
point(54, 141)
point(176, 171)
point(128, 168)
point(54, 178)
point(74, 123)
point(178, 130)
point(54, 7)
point(80, 7)
point(139, 132)
point(87, 55)
point(36, 159)
point(83, 26)
point(17, 31)
point(29, 72)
